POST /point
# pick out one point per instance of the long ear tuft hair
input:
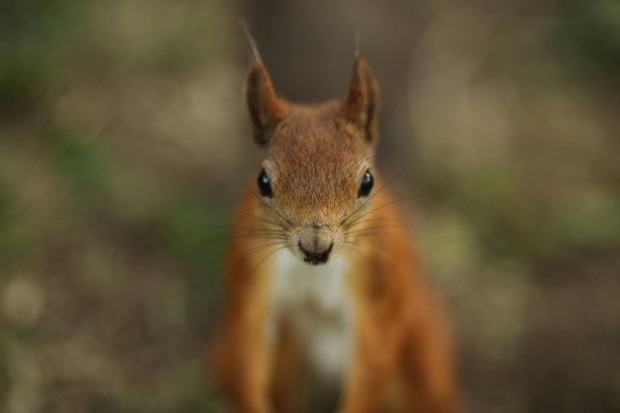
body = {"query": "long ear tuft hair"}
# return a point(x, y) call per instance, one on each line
point(266, 110)
point(360, 106)
point(251, 41)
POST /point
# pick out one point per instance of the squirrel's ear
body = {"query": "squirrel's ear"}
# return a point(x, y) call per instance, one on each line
point(264, 107)
point(361, 104)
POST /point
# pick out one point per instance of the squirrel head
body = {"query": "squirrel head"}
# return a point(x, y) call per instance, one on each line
point(318, 168)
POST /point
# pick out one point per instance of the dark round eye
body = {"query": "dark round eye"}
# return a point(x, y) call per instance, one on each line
point(263, 185)
point(366, 186)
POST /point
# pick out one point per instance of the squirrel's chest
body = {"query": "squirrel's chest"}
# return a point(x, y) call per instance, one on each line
point(315, 303)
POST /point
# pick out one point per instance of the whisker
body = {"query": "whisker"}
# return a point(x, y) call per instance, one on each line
point(372, 196)
point(357, 242)
point(250, 230)
point(369, 234)
point(262, 219)
point(386, 226)
point(251, 237)
point(348, 248)
point(246, 239)
point(250, 216)
point(371, 219)
point(370, 157)
point(380, 247)
point(268, 206)
point(375, 230)
point(359, 164)
point(247, 230)
point(375, 227)
point(256, 235)
point(378, 208)
point(261, 200)
point(258, 247)
point(277, 250)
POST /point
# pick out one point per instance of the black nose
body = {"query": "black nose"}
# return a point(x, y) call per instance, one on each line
point(316, 257)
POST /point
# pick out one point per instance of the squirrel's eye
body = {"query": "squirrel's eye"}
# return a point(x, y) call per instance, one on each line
point(366, 186)
point(263, 185)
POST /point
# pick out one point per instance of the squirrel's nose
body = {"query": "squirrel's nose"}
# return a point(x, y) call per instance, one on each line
point(315, 256)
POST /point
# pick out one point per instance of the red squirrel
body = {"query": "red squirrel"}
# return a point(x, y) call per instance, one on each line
point(320, 274)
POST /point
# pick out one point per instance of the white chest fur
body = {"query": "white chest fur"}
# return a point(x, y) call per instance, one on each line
point(313, 300)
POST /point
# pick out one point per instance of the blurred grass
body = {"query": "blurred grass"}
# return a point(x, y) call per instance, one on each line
point(182, 231)
point(35, 36)
point(511, 225)
point(17, 238)
point(76, 210)
point(196, 234)
point(44, 43)
point(80, 161)
point(592, 28)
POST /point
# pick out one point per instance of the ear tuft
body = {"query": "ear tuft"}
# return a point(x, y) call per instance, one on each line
point(361, 104)
point(265, 108)
point(251, 41)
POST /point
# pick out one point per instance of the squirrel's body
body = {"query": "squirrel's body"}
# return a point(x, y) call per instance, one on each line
point(320, 273)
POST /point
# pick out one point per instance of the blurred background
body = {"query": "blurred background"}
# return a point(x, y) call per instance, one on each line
point(123, 134)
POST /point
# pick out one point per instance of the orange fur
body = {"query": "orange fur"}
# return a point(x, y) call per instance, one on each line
point(400, 353)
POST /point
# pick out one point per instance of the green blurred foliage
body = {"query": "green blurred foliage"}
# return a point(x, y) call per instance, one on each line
point(17, 238)
point(81, 217)
point(44, 43)
point(196, 235)
point(80, 161)
point(591, 31)
point(35, 36)
point(509, 225)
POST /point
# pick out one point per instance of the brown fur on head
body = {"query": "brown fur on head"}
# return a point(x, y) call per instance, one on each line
point(318, 157)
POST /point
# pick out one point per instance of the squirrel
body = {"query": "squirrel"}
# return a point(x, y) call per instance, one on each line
point(320, 274)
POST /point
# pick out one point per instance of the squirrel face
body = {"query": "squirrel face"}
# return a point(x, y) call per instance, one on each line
point(318, 168)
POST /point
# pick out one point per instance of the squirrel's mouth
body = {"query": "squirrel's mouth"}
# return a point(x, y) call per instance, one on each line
point(314, 257)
